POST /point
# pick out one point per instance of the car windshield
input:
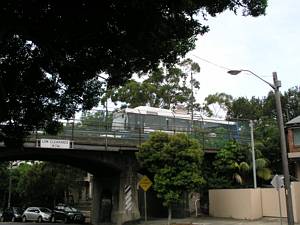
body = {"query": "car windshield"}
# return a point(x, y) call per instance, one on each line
point(45, 210)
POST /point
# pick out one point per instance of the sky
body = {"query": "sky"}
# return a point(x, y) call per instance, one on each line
point(264, 45)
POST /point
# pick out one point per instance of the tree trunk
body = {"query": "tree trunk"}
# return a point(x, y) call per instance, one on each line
point(169, 214)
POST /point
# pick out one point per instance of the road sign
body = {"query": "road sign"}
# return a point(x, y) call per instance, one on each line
point(145, 183)
point(277, 181)
point(55, 143)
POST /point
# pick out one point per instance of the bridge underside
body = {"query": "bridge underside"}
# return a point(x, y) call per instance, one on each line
point(115, 196)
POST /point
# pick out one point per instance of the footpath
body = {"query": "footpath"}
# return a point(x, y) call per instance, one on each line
point(215, 221)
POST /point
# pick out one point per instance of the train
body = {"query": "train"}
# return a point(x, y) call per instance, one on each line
point(145, 119)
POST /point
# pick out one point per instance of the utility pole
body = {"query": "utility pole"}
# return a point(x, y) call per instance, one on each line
point(275, 86)
point(192, 98)
point(285, 166)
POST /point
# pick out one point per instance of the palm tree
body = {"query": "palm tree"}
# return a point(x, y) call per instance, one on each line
point(243, 169)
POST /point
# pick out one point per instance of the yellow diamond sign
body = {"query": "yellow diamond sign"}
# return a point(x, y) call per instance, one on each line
point(145, 183)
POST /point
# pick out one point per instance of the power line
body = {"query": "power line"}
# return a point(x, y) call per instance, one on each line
point(217, 65)
point(205, 60)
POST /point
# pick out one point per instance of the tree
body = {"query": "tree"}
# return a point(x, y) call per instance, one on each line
point(191, 68)
point(163, 88)
point(266, 133)
point(175, 161)
point(52, 52)
point(290, 102)
point(232, 165)
point(95, 121)
point(44, 183)
point(244, 108)
point(267, 142)
point(4, 174)
point(216, 104)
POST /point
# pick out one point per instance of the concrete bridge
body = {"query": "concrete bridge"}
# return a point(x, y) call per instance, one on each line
point(113, 172)
point(108, 155)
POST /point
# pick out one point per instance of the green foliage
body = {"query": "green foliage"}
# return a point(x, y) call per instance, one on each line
point(290, 102)
point(53, 52)
point(175, 162)
point(232, 163)
point(163, 88)
point(44, 183)
point(263, 112)
point(217, 102)
point(53, 127)
point(246, 109)
point(95, 121)
point(4, 173)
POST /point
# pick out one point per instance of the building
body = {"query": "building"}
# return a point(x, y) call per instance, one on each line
point(293, 142)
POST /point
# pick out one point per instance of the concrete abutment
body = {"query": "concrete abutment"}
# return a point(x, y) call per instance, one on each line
point(115, 198)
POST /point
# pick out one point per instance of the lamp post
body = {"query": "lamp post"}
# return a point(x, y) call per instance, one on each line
point(275, 86)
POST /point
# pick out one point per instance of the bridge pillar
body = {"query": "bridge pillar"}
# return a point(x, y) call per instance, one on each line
point(105, 199)
point(96, 201)
point(123, 193)
point(128, 197)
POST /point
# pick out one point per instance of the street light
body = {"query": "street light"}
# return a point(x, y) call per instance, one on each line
point(275, 87)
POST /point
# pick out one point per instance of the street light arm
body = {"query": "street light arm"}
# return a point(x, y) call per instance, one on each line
point(235, 72)
point(249, 71)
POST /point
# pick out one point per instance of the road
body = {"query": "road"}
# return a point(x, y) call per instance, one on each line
point(216, 221)
point(34, 223)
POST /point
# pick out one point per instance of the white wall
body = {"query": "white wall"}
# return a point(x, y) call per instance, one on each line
point(235, 203)
point(252, 204)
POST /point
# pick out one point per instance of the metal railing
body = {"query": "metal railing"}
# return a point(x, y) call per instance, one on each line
point(103, 130)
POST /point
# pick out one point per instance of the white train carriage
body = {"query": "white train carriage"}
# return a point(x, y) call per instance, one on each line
point(144, 119)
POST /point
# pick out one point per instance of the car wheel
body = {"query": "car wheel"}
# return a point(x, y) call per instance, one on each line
point(53, 219)
point(1, 219)
point(24, 219)
point(13, 219)
point(40, 219)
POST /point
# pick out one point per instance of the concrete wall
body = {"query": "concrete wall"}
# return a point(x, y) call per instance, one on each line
point(295, 188)
point(252, 203)
point(235, 203)
point(270, 202)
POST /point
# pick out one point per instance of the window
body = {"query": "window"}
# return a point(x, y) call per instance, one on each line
point(296, 133)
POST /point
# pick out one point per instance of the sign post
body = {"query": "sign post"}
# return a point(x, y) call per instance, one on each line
point(278, 183)
point(145, 183)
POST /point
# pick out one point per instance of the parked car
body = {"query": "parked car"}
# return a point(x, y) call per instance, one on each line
point(11, 214)
point(67, 214)
point(38, 214)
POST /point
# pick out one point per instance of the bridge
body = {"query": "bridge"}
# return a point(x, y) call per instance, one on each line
point(95, 145)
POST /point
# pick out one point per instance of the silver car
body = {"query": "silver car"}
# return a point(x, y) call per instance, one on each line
point(38, 214)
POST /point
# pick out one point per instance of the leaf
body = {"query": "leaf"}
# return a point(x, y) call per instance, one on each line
point(244, 167)
point(237, 177)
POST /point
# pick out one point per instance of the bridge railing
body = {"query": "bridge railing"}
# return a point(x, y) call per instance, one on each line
point(100, 129)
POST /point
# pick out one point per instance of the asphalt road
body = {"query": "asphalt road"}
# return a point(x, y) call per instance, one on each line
point(35, 223)
point(185, 221)
point(216, 221)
